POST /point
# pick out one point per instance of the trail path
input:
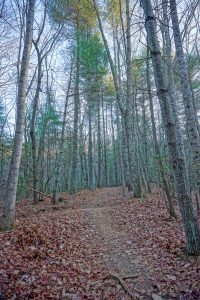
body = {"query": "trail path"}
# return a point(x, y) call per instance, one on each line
point(114, 240)
point(101, 213)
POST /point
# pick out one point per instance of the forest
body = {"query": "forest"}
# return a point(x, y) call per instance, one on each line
point(99, 149)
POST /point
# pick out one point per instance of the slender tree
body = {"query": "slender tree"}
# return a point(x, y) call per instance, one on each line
point(8, 217)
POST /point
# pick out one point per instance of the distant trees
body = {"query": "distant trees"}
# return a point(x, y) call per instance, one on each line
point(93, 62)
point(43, 43)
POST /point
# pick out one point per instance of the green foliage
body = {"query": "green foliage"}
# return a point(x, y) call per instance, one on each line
point(85, 12)
point(49, 116)
point(113, 8)
point(93, 62)
point(109, 85)
point(71, 11)
point(93, 56)
point(53, 116)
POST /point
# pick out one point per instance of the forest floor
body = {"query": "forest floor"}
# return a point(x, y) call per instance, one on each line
point(97, 245)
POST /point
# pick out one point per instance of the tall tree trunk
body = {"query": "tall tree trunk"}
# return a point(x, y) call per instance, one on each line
point(170, 205)
point(32, 127)
point(128, 115)
point(168, 63)
point(73, 185)
point(120, 158)
point(140, 154)
point(90, 146)
point(8, 217)
point(99, 174)
point(104, 144)
point(191, 124)
point(115, 169)
point(175, 145)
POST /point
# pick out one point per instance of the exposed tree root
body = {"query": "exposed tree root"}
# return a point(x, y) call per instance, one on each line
point(120, 279)
point(122, 283)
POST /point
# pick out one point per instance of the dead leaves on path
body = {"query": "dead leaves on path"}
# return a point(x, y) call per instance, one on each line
point(158, 244)
point(55, 253)
point(47, 257)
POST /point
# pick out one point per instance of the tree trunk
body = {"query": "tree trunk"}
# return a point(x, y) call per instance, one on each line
point(104, 144)
point(90, 146)
point(170, 206)
point(115, 169)
point(128, 117)
point(32, 127)
point(99, 174)
point(190, 114)
point(175, 145)
point(8, 217)
point(73, 185)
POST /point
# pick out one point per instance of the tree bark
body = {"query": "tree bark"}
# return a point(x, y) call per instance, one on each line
point(90, 146)
point(175, 145)
point(8, 218)
point(99, 173)
point(32, 126)
point(191, 124)
point(73, 185)
point(170, 206)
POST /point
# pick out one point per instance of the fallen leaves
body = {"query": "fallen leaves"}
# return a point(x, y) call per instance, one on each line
point(67, 252)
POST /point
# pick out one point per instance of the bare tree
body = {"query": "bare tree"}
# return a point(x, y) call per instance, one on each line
point(8, 218)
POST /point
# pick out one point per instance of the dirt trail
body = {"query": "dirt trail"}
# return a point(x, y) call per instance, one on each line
point(116, 245)
point(114, 241)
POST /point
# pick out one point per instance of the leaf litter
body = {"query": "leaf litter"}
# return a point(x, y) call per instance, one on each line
point(97, 245)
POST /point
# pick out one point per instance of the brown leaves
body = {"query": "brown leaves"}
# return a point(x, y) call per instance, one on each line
point(161, 245)
point(31, 235)
point(66, 253)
